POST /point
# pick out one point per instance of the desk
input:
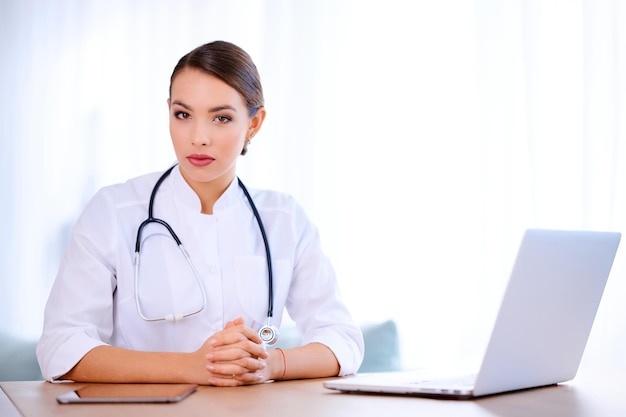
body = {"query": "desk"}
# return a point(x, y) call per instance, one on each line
point(583, 397)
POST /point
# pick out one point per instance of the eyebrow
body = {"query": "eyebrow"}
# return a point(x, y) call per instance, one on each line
point(211, 110)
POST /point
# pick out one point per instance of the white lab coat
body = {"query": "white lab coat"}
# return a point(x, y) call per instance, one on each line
point(92, 301)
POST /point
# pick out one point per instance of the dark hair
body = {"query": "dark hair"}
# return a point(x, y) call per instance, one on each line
point(229, 63)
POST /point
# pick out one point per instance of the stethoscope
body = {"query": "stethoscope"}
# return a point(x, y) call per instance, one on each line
point(267, 333)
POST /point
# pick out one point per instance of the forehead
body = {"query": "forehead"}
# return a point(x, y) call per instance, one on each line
point(195, 87)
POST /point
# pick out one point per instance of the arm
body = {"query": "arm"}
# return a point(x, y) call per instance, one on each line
point(114, 364)
point(316, 306)
point(231, 357)
point(313, 360)
point(236, 350)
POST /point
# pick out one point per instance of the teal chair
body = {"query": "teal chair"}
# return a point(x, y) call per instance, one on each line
point(17, 359)
point(382, 345)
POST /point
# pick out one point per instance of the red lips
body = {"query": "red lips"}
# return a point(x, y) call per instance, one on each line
point(200, 160)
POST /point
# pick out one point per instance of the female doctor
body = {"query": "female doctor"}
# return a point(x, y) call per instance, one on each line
point(129, 304)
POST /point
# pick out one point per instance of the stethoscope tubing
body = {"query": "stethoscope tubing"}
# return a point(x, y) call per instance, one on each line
point(268, 255)
point(268, 333)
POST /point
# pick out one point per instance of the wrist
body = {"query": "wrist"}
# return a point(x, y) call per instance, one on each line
point(191, 367)
point(278, 365)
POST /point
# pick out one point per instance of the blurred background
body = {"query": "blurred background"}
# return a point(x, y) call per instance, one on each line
point(422, 138)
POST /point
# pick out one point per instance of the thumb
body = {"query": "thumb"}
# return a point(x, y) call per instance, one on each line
point(238, 321)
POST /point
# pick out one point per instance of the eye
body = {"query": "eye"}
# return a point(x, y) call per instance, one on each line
point(222, 119)
point(181, 115)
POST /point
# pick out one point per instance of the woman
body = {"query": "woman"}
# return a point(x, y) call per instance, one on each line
point(195, 318)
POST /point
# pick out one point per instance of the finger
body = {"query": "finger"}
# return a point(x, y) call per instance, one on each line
point(248, 332)
point(234, 351)
point(224, 381)
point(236, 380)
point(238, 321)
point(232, 337)
point(236, 367)
point(251, 378)
point(225, 337)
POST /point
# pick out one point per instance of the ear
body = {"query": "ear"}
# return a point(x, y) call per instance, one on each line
point(257, 121)
point(169, 103)
point(255, 125)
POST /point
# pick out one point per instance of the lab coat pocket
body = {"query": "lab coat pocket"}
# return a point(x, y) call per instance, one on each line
point(252, 284)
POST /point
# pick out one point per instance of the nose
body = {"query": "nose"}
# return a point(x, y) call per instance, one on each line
point(201, 135)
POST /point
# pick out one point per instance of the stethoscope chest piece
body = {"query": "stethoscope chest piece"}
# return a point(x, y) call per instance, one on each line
point(268, 334)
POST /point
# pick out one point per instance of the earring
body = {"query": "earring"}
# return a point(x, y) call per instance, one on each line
point(245, 147)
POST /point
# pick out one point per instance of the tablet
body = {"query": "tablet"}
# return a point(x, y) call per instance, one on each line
point(127, 393)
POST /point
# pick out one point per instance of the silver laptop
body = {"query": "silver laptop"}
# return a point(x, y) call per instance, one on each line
point(542, 326)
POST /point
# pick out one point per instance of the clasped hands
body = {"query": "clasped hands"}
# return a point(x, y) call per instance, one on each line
point(235, 356)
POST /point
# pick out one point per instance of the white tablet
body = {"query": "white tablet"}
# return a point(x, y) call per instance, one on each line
point(127, 393)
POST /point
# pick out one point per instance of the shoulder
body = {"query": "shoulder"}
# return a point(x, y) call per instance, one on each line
point(272, 198)
point(134, 191)
point(123, 199)
point(275, 201)
point(281, 211)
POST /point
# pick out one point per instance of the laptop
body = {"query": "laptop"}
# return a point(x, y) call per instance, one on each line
point(541, 328)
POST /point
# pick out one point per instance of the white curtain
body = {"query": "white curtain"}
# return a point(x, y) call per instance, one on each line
point(422, 137)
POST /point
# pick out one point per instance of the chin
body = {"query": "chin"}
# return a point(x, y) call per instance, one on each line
point(205, 174)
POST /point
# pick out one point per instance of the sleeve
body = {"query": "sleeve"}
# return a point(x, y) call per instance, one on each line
point(315, 303)
point(79, 314)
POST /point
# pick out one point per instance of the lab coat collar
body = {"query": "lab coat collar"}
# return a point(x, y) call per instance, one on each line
point(187, 197)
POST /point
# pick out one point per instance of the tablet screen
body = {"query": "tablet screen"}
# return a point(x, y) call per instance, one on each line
point(129, 393)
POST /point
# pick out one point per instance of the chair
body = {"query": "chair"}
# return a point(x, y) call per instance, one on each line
point(382, 345)
point(17, 359)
